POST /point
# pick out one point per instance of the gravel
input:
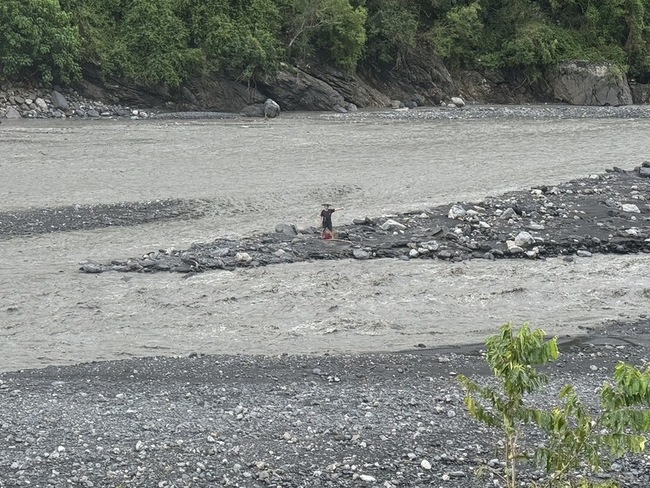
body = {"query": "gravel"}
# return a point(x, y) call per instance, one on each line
point(292, 421)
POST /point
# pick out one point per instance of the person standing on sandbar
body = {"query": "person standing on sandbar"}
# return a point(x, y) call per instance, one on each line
point(326, 221)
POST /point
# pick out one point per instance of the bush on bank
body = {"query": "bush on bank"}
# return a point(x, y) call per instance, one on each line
point(574, 438)
point(166, 42)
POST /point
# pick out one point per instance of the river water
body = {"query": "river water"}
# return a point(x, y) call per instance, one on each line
point(254, 174)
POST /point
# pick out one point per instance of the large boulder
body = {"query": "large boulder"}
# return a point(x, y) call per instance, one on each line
point(59, 101)
point(268, 109)
point(12, 113)
point(585, 83)
point(271, 109)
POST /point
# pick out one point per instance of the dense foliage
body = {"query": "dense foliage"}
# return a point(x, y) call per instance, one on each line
point(165, 42)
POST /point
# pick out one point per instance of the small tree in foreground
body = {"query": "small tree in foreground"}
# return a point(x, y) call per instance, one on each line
point(576, 437)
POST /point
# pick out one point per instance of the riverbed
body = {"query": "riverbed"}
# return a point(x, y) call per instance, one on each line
point(251, 175)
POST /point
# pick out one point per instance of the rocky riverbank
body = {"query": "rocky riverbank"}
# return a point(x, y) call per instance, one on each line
point(384, 420)
point(605, 213)
point(228, 100)
point(38, 103)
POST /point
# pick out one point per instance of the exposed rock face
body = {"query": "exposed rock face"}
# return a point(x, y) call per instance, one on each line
point(352, 87)
point(301, 91)
point(424, 82)
point(218, 95)
point(425, 76)
point(584, 83)
point(640, 92)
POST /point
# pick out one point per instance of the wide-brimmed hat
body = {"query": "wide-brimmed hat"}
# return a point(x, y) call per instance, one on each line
point(326, 204)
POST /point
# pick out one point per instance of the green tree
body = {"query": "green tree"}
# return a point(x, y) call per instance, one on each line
point(513, 357)
point(457, 37)
point(331, 30)
point(579, 437)
point(237, 37)
point(38, 39)
point(392, 29)
point(153, 47)
point(576, 437)
point(140, 40)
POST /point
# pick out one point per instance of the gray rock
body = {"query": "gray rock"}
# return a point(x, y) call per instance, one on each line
point(243, 257)
point(360, 254)
point(458, 102)
point(630, 208)
point(585, 83)
point(456, 212)
point(93, 113)
point(271, 109)
point(391, 224)
point(286, 229)
point(353, 89)
point(59, 101)
point(92, 268)
point(12, 113)
point(40, 103)
point(301, 91)
point(524, 239)
point(457, 474)
point(514, 248)
point(583, 254)
point(431, 245)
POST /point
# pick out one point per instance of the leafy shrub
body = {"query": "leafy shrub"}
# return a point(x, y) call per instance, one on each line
point(331, 30)
point(38, 39)
point(576, 437)
point(154, 47)
point(457, 38)
point(537, 46)
point(392, 28)
point(241, 38)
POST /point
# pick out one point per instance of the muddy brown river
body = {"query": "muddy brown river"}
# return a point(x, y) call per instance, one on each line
point(254, 174)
